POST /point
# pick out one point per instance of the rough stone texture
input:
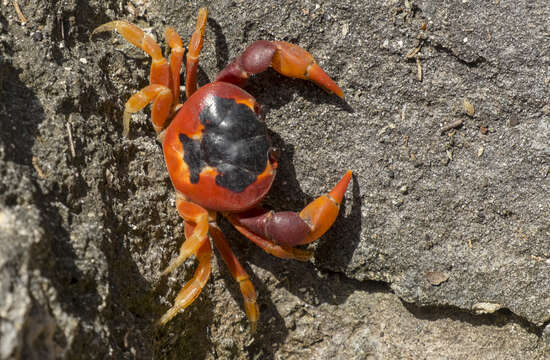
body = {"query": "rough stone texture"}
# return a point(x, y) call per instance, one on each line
point(450, 222)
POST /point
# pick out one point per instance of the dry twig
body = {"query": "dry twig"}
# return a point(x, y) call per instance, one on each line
point(71, 144)
point(19, 13)
point(450, 126)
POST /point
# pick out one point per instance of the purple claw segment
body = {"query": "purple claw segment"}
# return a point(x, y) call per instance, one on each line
point(284, 228)
point(255, 59)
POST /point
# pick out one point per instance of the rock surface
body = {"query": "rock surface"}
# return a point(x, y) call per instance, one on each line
point(443, 246)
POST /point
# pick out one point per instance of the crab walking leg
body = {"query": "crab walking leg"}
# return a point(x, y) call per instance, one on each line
point(176, 59)
point(159, 67)
point(195, 47)
point(193, 287)
point(195, 214)
point(283, 252)
point(239, 274)
point(290, 229)
point(160, 95)
point(288, 59)
point(158, 91)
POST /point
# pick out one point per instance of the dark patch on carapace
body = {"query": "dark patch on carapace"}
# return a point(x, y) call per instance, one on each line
point(192, 156)
point(233, 141)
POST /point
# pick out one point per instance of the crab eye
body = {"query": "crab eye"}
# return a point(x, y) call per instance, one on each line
point(274, 154)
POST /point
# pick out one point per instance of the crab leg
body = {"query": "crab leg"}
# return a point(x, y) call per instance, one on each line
point(160, 95)
point(195, 47)
point(288, 59)
point(193, 287)
point(176, 58)
point(195, 214)
point(163, 90)
point(289, 228)
point(239, 274)
point(159, 67)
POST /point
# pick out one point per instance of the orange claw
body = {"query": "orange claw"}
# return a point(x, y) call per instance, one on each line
point(321, 213)
point(319, 77)
point(278, 232)
point(293, 61)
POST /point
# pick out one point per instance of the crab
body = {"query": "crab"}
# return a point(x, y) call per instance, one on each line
point(219, 156)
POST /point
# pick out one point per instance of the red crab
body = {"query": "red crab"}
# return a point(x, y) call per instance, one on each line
point(219, 156)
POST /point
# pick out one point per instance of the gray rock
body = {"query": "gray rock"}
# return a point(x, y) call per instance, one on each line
point(443, 246)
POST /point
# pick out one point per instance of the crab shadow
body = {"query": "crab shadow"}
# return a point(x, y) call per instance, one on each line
point(320, 286)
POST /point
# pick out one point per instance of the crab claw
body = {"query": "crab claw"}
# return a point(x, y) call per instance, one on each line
point(287, 229)
point(323, 211)
point(293, 61)
point(288, 59)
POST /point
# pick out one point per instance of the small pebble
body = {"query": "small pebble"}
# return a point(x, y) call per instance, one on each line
point(397, 202)
point(468, 108)
point(436, 277)
point(345, 29)
point(480, 151)
point(37, 36)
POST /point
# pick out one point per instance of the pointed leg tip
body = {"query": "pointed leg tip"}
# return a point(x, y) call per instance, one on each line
point(252, 312)
point(338, 91)
point(201, 18)
point(253, 327)
point(109, 26)
point(169, 315)
point(173, 265)
point(178, 261)
point(102, 28)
